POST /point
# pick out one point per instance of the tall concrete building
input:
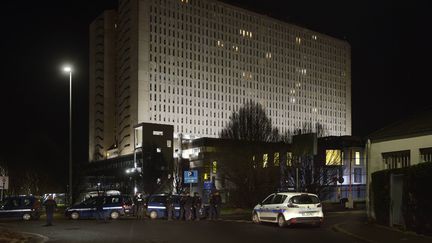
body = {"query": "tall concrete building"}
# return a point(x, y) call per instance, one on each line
point(191, 63)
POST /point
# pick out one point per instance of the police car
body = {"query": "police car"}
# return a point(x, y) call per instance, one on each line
point(156, 206)
point(288, 208)
point(22, 207)
point(113, 206)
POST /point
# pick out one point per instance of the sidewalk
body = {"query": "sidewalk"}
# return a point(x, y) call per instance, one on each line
point(373, 233)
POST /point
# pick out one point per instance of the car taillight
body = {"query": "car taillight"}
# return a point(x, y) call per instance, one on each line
point(319, 205)
point(290, 205)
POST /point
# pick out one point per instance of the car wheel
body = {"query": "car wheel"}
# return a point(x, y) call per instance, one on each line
point(26, 216)
point(153, 215)
point(255, 218)
point(281, 221)
point(114, 215)
point(74, 215)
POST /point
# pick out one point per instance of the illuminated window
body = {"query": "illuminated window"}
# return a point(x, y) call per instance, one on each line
point(214, 167)
point(276, 159)
point(265, 160)
point(289, 159)
point(333, 157)
point(357, 158)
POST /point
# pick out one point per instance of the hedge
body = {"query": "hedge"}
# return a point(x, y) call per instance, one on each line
point(416, 196)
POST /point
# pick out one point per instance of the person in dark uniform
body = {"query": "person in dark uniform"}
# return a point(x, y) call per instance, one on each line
point(217, 201)
point(99, 209)
point(140, 206)
point(169, 205)
point(215, 205)
point(182, 206)
point(188, 207)
point(197, 202)
point(50, 206)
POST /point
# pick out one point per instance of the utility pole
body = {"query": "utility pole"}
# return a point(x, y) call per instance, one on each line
point(350, 202)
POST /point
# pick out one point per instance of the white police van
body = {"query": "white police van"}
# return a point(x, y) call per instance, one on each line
point(288, 208)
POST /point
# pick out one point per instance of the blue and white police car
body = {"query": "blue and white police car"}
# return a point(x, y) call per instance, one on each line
point(113, 206)
point(156, 206)
point(288, 208)
point(20, 207)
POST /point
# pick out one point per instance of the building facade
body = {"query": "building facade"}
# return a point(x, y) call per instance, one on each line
point(400, 145)
point(191, 63)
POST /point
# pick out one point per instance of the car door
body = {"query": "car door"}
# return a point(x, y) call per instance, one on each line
point(5, 209)
point(88, 208)
point(264, 212)
point(276, 206)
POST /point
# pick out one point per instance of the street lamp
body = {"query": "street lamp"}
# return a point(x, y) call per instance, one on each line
point(68, 69)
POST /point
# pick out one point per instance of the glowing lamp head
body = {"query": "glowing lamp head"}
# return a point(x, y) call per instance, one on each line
point(67, 69)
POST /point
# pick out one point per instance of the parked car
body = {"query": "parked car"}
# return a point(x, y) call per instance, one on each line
point(113, 206)
point(288, 208)
point(21, 207)
point(156, 207)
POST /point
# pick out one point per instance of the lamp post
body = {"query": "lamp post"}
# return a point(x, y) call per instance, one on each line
point(68, 69)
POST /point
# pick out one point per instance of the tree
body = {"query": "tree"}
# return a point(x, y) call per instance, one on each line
point(249, 181)
point(250, 123)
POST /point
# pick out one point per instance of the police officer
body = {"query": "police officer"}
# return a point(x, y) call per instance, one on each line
point(169, 207)
point(188, 207)
point(197, 202)
point(140, 206)
point(50, 206)
point(217, 202)
point(182, 206)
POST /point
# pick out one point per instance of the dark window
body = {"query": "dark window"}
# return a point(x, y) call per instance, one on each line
point(278, 199)
point(304, 199)
point(158, 199)
point(268, 200)
point(113, 200)
point(27, 202)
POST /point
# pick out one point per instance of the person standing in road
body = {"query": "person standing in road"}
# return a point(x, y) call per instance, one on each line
point(50, 205)
point(169, 207)
point(197, 202)
point(140, 206)
point(182, 206)
point(217, 203)
point(99, 209)
point(188, 207)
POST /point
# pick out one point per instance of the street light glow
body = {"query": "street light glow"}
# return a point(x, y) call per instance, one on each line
point(67, 69)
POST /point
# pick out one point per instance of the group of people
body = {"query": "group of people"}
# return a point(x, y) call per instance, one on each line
point(190, 206)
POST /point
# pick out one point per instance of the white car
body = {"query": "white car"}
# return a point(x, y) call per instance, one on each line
point(287, 208)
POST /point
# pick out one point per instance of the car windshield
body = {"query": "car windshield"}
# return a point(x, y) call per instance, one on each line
point(304, 199)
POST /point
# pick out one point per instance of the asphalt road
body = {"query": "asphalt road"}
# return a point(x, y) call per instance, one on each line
point(158, 231)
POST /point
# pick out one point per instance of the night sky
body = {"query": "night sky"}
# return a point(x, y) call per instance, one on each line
point(391, 50)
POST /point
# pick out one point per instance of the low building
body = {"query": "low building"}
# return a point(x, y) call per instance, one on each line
point(400, 145)
point(214, 159)
point(148, 168)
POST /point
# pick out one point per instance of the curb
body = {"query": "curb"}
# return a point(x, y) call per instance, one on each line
point(337, 228)
point(402, 231)
point(42, 238)
point(345, 212)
